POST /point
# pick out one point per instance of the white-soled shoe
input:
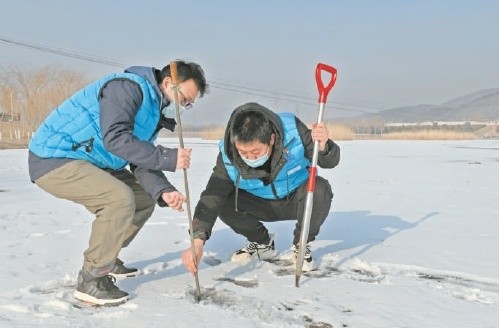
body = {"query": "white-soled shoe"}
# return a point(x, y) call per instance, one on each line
point(308, 261)
point(99, 290)
point(255, 251)
point(120, 271)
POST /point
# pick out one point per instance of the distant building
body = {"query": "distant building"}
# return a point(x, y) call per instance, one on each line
point(442, 123)
point(4, 117)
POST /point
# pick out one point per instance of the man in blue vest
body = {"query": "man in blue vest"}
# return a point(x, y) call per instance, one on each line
point(260, 176)
point(81, 153)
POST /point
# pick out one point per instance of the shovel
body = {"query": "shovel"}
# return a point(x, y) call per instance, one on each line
point(309, 204)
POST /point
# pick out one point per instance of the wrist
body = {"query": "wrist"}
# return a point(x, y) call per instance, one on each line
point(200, 235)
point(325, 150)
point(199, 243)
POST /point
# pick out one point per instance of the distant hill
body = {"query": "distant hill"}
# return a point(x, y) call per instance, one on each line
point(481, 105)
point(463, 100)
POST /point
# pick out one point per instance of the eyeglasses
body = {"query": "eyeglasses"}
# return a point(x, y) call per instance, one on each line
point(187, 104)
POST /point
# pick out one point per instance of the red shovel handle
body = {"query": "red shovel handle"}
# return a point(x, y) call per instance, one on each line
point(324, 91)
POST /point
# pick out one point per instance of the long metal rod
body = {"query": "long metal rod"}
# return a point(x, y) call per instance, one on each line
point(173, 70)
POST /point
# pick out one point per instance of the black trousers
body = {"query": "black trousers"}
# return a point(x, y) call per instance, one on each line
point(252, 211)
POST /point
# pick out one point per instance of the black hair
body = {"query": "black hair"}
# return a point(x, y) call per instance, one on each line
point(186, 71)
point(249, 126)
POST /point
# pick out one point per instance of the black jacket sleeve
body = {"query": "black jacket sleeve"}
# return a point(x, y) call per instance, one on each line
point(211, 200)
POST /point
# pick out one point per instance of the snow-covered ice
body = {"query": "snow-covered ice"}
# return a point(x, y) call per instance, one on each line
point(412, 241)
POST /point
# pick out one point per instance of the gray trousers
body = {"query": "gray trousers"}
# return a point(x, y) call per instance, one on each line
point(121, 207)
point(252, 210)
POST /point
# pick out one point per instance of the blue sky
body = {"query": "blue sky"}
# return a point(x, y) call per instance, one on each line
point(388, 53)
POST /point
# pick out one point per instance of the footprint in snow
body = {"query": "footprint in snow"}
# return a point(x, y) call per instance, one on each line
point(247, 283)
point(211, 260)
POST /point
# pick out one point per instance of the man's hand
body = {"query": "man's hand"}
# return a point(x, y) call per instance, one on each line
point(321, 134)
point(174, 199)
point(187, 258)
point(184, 158)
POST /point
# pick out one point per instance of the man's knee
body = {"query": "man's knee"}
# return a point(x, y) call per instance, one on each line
point(150, 209)
point(323, 189)
point(323, 197)
point(122, 201)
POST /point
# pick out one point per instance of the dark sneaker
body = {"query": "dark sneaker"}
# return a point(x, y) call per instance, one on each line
point(99, 290)
point(120, 271)
point(255, 250)
point(308, 261)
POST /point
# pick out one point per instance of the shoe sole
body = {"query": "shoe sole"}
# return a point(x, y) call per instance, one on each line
point(99, 302)
point(125, 275)
point(265, 256)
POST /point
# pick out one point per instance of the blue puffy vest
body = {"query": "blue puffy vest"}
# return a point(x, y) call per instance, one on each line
point(292, 175)
point(73, 130)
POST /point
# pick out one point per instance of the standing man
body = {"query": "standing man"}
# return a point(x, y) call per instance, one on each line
point(261, 176)
point(81, 152)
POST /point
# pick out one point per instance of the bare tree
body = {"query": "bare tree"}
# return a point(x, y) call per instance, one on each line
point(27, 97)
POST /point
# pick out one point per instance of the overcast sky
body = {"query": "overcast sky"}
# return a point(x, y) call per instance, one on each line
point(388, 53)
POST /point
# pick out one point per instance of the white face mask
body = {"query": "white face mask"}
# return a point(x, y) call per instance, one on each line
point(169, 111)
point(257, 161)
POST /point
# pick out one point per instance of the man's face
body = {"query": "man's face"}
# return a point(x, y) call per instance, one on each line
point(187, 91)
point(255, 149)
